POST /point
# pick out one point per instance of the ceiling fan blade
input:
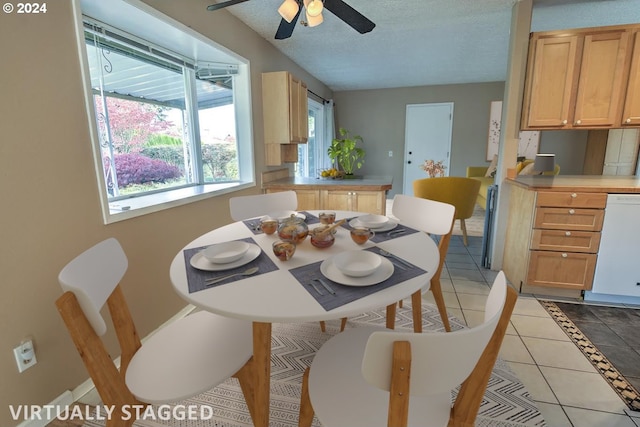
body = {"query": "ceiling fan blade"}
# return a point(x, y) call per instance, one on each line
point(285, 29)
point(355, 19)
point(224, 4)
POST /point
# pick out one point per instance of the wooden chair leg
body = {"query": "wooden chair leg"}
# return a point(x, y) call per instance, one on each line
point(436, 289)
point(400, 304)
point(391, 316)
point(343, 323)
point(416, 310)
point(463, 226)
point(323, 326)
point(305, 417)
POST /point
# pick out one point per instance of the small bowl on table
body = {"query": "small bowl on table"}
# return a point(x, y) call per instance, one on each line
point(358, 263)
point(224, 253)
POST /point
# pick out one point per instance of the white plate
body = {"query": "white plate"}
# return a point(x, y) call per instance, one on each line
point(373, 221)
point(201, 263)
point(330, 271)
point(386, 227)
point(226, 252)
point(282, 215)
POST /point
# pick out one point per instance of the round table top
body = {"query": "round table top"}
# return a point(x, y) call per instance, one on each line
point(277, 296)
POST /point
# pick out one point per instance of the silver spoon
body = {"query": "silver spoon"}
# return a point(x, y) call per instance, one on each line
point(247, 272)
point(390, 255)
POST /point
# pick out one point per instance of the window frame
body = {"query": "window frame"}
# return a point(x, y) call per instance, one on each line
point(143, 22)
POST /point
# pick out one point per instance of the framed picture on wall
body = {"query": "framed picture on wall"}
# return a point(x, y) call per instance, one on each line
point(529, 140)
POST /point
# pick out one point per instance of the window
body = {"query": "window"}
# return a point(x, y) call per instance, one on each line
point(168, 128)
point(312, 156)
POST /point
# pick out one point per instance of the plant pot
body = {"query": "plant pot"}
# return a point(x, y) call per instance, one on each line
point(352, 176)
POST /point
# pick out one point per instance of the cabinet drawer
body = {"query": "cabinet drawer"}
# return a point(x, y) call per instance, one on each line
point(569, 219)
point(564, 240)
point(561, 269)
point(570, 199)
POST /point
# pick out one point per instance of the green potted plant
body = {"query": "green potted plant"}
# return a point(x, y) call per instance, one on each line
point(345, 152)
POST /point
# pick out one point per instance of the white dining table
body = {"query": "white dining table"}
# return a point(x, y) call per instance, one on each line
point(278, 297)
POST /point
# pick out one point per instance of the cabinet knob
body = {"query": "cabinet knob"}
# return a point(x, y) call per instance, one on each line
point(578, 122)
point(567, 233)
point(572, 211)
point(564, 122)
point(574, 195)
point(628, 120)
point(564, 255)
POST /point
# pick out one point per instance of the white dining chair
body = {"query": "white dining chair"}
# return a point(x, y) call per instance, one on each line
point(185, 358)
point(434, 218)
point(376, 377)
point(245, 207)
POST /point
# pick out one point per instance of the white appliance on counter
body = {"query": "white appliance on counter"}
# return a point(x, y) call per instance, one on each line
point(617, 275)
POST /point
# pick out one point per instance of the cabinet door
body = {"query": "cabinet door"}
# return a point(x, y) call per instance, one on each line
point(308, 199)
point(298, 110)
point(561, 269)
point(602, 73)
point(551, 76)
point(372, 202)
point(337, 200)
point(631, 113)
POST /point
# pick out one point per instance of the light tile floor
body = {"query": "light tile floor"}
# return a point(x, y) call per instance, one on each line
point(565, 386)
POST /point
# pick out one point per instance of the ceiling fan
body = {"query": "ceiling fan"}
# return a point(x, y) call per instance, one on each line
point(339, 8)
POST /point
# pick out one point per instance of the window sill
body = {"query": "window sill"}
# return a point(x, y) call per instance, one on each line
point(137, 206)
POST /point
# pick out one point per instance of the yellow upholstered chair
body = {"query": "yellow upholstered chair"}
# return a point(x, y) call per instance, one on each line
point(457, 191)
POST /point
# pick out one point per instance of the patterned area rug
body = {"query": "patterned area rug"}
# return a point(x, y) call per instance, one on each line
point(506, 404)
point(618, 382)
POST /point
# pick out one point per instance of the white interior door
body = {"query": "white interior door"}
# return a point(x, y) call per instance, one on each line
point(622, 152)
point(427, 136)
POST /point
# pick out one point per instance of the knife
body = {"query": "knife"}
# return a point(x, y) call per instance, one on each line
point(326, 286)
point(316, 288)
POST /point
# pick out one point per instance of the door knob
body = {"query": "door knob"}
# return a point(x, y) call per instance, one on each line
point(567, 233)
point(564, 122)
point(571, 211)
point(628, 120)
point(578, 122)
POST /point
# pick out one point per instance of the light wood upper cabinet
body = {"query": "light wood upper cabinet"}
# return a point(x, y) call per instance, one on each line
point(578, 79)
point(552, 70)
point(285, 115)
point(602, 72)
point(631, 113)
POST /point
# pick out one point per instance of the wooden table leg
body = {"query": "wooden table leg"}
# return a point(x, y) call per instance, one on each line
point(262, 372)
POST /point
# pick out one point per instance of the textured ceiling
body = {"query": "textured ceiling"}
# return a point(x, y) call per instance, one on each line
point(421, 42)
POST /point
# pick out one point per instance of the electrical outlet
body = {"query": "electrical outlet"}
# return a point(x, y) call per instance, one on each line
point(390, 153)
point(25, 355)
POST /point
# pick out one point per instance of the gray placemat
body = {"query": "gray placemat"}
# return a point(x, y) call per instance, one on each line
point(254, 224)
point(346, 294)
point(196, 278)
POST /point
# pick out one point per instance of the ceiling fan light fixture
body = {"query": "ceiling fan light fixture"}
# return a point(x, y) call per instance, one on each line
point(288, 10)
point(314, 8)
point(313, 21)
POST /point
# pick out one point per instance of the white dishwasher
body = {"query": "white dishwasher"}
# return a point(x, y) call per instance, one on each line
point(617, 275)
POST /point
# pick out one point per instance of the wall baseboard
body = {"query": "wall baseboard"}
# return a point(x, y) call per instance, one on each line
point(64, 400)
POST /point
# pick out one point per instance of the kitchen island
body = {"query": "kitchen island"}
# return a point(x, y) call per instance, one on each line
point(554, 229)
point(361, 194)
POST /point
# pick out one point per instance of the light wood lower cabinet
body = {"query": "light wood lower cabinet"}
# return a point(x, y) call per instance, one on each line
point(373, 202)
point(360, 201)
point(552, 239)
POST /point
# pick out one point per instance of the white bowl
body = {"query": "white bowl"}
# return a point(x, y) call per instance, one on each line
point(373, 221)
point(223, 253)
point(357, 263)
point(282, 215)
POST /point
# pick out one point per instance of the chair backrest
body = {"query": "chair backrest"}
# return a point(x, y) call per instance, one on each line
point(90, 280)
point(458, 191)
point(245, 207)
point(92, 276)
point(431, 216)
point(440, 361)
